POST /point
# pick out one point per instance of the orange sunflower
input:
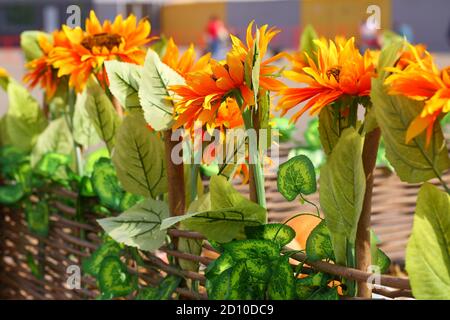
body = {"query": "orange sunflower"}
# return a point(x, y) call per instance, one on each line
point(419, 79)
point(41, 70)
point(340, 71)
point(89, 49)
point(186, 62)
point(204, 96)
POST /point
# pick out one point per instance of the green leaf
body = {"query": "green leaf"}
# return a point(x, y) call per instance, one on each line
point(343, 184)
point(413, 162)
point(307, 44)
point(318, 244)
point(10, 194)
point(92, 264)
point(86, 188)
point(312, 134)
point(84, 131)
point(139, 158)
point(49, 164)
point(428, 250)
point(325, 293)
point(285, 128)
point(279, 233)
point(139, 226)
point(56, 139)
point(329, 131)
point(282, 283)
point(106, 185)
point(129, 200)
point(24, 119)
point(296, 176)
point(93, 157)
point(381, 260)
point(154, 93)
point(29, 42)
point(124, 81)
point(222, 214)
point(37, 217)
point(252, 249)
point(114, 279)
point(34, 266)
point(163, 291)
point(102, 113)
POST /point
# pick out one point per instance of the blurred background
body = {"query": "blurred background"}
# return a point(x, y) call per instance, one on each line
point(188, 22)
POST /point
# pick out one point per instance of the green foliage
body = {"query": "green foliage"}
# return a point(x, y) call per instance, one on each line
point(311, 134)
point(279, 233)
point(106, 185)
point(37, 215)
point(102, 113)
point(139, 226)
point(84, 131)
point(29, 42)
point(413, 162)
point(153, 91)
point(331, 126)
point(50, 163)
point(318, 244)
point(139, 158)
point(92, 264)
point(114, 279)
point(307, 44)
point(428, 250)
point(221, 214)
point(124, 81)
point(285, 128)
point(11, 193)
point(163, 291)
point(296, 176)
point(343, 183)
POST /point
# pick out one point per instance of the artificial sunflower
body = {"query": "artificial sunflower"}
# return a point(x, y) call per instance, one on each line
point(41, 70)
point(89, 49)
point(418, 78)
point(206, 91)
point(340, 71)
point(186, 62)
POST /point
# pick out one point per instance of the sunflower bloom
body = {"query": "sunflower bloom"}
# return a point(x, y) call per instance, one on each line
point(340, 71)
point(41, 70)
point(186, 62)
point(89, 49)
point(206, 92)
point(418, 78)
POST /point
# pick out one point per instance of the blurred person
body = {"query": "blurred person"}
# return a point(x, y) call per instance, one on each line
point(369, 37)
point(217, 35)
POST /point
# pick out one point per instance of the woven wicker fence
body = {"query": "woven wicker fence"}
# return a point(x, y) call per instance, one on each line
point(69, 242)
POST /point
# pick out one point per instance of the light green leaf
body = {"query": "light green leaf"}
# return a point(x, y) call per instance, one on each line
point(318, 244)
point(307, 44)
point(139, 226)
point(229, 213)
point(279, 233)
point(24, 119)
point(154, 93)
point(114, 279)
point(92, 264)
point(329, 132)
point(29, 42)
point(56, 138)
point(10, 194)
point(428, 250)
point(129, 200)
point(252, 249)
point(343, 184)
point(139, 158)
point(93, 157)
point(285, 128)
point(106, 185)
point(296, 176)
point(84, 131)
point(49, 164)
point(413, 162)
point(102, 113)
point(124, 81)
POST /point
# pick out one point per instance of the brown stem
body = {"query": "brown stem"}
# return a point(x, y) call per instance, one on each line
point(117, 106)
point(363, 253)
point(175, 178)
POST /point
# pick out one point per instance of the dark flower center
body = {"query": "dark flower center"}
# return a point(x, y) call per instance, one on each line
point(335, 71)
point(102, 40)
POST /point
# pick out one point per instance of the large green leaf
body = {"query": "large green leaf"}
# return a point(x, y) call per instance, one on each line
point(276, 232)
point(29, 42)
point(154, 92)
point(124, 81)
point(296, 176)
point(84, 131)
point(413, 162)
point(102, 113)
point(282, 282)
point(106, 185)
point(428, 251)
point(139, 226)
point(342, 186)
point(139, 158)
point(318, 244)
point(24, 119)
point(329, 130)
point(56, 138)
point(227, 217)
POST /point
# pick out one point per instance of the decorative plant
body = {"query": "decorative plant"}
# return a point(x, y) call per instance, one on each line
point(153, 113)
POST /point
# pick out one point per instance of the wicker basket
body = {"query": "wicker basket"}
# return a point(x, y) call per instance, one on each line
point(393, 207)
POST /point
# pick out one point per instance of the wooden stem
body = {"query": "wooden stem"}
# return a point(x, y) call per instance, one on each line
point(363, 253)
point(175, 178)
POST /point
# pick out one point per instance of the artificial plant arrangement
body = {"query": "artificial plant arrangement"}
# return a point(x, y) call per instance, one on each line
point(102, 86)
